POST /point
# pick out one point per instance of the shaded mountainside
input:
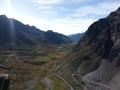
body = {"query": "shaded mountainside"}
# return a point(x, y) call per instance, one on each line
point(53, 37)
point(76, 37)
point(97, 55)
point(14, 33)
point(103, 35)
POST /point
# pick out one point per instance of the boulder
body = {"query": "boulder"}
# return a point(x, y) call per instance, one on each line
point(4, 81)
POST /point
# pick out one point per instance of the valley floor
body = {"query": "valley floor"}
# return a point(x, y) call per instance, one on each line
point(31, 69)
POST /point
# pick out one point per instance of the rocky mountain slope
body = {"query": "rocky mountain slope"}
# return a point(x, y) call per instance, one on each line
point(96, 57)
point(14, 33)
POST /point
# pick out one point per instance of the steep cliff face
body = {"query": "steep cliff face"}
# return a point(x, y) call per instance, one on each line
point(102, 36)
point(97, 54)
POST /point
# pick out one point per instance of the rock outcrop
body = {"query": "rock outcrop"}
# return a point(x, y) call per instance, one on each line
point(103, 37)
point(4, 81)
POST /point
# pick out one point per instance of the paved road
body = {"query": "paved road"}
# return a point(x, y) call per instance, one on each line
point(58, 76)
point(89, 81)
point(70, 87)
point(73, 76)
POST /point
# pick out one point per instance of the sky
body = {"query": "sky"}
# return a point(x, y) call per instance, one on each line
point(62, 16)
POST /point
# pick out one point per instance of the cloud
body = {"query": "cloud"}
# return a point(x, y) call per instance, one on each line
point(48, 2)
point(78, 1)
point(5, 7)
point(53, 2)
point(63, 19)
point(71, 25)
point(42, 7)
point(47, 8)
point(102, 8)
point(64, 25)
point(77, 19)
point(47, 11)
point(59, 7)
point(66, 8)
point(64, 16)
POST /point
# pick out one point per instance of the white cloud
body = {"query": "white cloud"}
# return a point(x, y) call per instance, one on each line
point(57, 8)
point(70, 26)
point(65, 26)
point(100, 9)
point(48, 2)
point(47, 11)
point(78, 1)
point(42, 7)
point(53, 2)
point(6, 7)
point(110, 6)
point(47, 8)
point(59, 16)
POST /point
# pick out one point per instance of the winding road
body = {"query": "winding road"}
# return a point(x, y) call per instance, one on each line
point(73, 76)
point(89, 81)
point(58, 76)
point(70, 87)
point(86, 81)
point(74, 79)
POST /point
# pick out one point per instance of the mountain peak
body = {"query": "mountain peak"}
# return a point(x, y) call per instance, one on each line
point(115, 14)
point(3, 16)
point(118, 10)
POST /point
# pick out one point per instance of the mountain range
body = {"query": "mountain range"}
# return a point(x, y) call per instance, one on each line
point(14, 33)
point(95, 60)
point(93, 64)
point(76, 37)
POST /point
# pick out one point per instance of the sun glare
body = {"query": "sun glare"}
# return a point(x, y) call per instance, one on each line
point(9, 7)
point(12, 30)
point(11, 22)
